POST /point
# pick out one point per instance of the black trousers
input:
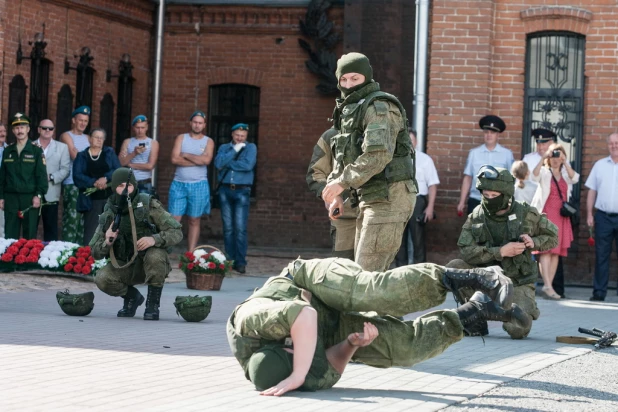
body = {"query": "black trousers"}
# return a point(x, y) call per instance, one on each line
point(472, 203)
point(49, 216)
point(558, 283)
point(415, 232)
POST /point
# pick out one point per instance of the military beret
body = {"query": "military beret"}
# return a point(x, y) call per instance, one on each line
point(492, 122)
point(543, 135)
point(139, 119)
point(20, 118)
point(81, 110)
point(197, 113)
point(240, 126)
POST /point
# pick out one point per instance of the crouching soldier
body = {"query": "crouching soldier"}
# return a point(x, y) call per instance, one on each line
point(138, 249)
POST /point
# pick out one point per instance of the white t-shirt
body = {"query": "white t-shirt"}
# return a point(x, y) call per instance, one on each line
point(604, 180)
point(426, 173)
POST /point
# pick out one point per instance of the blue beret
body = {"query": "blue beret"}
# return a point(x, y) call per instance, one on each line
point(197, 113)
point(240, 126)
point(492, 122)
point(81, 110)
point(543, 135)
point(138, 119)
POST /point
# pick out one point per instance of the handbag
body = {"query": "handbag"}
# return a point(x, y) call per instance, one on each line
point(567, 209)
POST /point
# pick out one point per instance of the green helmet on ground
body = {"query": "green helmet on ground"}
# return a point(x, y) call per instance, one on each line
point(80, 304)
point(497, 179)
point(193, 308)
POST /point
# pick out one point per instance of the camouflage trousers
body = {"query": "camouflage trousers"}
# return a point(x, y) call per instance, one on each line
point(523, 296)
point(72, 221)
point(343, 236)
point(150, 267)
point(380, 226)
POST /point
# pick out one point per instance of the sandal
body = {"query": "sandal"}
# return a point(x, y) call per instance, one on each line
point(550, 296)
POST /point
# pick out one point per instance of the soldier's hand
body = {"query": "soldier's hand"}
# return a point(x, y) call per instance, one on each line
point(331, 191)
point(527, 240)
point(110, 236)
point(145, 242)
point(512, 249)
point(369, 334)
point(336, 204)
point(36, 201)
point(286, 385)
point(2, 204)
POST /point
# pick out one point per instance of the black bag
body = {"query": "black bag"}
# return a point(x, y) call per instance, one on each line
point(568, 209)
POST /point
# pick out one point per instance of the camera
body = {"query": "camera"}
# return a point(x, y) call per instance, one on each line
point(555, 153)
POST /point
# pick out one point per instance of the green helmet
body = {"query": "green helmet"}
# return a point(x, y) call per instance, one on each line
point(269, 365)
point(75, 304)
point(497, 179)
point(193, 308)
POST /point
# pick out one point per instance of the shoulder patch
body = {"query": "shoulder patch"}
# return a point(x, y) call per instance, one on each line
point(381, 107)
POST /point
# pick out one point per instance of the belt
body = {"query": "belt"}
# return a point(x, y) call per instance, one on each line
point(144, 181)
point(234, 186)
point(609, 214)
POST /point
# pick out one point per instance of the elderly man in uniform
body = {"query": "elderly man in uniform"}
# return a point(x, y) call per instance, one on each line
point(489, 153)
point(23, 182)
point(140, 153)
point(301, 328)
point(501, 231)
point(132, 263)
point(372, 152)
point(343, 229)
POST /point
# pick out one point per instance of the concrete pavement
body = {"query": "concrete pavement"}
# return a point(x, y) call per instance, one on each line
point(50, 361)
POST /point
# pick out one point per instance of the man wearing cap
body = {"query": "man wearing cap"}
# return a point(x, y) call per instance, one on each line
point(145, 262)
point(77, 141)
point(23, 182)
point(140, 153)
point(489, 153)
point(2, 146)
point(372, 152)
point(235, 162)
point(189, 193)
point(58, 165)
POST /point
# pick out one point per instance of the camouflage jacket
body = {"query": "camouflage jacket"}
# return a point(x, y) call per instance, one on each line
point(151, 219)
point(482, 237)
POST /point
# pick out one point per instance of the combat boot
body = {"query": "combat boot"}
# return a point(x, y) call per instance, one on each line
point(152, 303)
point(490, 281)
point(132, 300)
point(481, 308)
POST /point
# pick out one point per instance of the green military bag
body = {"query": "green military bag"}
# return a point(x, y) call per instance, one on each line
point(193, 308)
point(75, 304)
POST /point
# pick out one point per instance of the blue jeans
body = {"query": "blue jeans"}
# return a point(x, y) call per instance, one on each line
point(145, 188)
point(605, 234)
point(235, 213)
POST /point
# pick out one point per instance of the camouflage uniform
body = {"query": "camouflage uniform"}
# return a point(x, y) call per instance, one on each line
point(339, 289)
point(342, 230)
point(485, 233)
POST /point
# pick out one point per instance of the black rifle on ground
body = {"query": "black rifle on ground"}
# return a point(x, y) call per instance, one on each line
point(123, 201)
point(606, 339)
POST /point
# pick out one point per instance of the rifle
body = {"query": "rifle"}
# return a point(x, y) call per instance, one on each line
point(124, 200)
point(606, 339)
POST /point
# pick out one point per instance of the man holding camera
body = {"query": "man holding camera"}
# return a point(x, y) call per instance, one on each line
point(140, 153)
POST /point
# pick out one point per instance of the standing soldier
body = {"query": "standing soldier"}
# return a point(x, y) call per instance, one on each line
point(372, 152)
point(23, 182)
point(342, 230)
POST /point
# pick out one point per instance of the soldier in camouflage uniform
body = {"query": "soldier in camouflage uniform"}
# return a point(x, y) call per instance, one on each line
point(156, 231)
point(343, 230)
point(501, 231)
point(372, 156)
point(313, 307)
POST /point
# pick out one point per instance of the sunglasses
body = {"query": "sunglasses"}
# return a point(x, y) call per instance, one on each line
point(46, 127)
point(488, 172)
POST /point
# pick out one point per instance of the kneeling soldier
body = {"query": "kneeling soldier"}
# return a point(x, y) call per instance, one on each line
point(138, 249)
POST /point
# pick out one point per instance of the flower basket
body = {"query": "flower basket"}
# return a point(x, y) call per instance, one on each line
point(205, 267)
point(203, 281)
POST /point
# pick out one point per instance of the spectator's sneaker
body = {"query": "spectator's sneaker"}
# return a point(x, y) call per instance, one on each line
point(132, 300)
point(481, 308)
point(490, 281)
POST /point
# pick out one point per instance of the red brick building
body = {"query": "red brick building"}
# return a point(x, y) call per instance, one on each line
point(242, 60)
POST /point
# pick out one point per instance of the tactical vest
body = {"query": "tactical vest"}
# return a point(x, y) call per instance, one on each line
point(123, 246)
point(347, 146)
point(521, 268)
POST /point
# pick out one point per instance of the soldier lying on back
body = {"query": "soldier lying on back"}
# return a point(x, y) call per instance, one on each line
point(138, 249)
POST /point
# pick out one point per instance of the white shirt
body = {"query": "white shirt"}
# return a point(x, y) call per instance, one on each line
point(532, 159)
point(604, 180)
point(525, 194)
point(479, 156)
point(51, 142)
point(426, 173)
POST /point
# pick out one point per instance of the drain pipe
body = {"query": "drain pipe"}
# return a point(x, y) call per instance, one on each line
point(420, 70)
point(156, 97)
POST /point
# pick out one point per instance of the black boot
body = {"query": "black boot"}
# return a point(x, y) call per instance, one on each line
point(481, 308)
point(490, 281)
point(132, 300)
point(152, 303)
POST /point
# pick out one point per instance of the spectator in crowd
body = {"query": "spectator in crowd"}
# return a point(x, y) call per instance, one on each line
point(524, 187)
point(554, 190)
point(412, 248)
point(77, 140)
point(92, 171)
point(342, 230)
point(23, 182)
point(58, 163)
point(372, 152)
point(489, 153)
point(235, 163)
point(140, 153)
point(189, 193)
point(602, 187)
point(2, 146)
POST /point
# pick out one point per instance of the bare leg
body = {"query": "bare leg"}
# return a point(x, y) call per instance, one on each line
point(548, 271)
point(193, 235)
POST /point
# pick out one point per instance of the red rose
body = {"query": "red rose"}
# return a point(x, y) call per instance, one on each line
point(87, 249)
point(77, 268)
point(211, 265)
point(20, 214)
point(190, 256)
point(32, 259)
point(86, 270)
point(190, 266)
point(7, 257)
point(180, 265)
point(591, 241)
point(68, 267)
point(13, 250)
point(24, 251)
point(221, 266)
point(20, 259)
point(81, 261)
point(72, 260)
